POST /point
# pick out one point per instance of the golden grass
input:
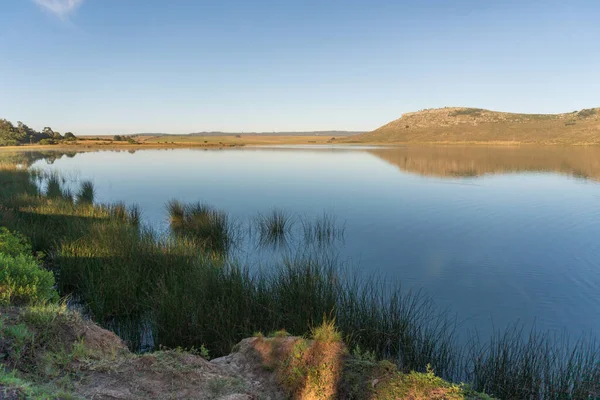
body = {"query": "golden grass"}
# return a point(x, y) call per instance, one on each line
point(236, 141)
point(178, 141)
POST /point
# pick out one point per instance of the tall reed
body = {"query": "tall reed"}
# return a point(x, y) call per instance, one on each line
point(86, 193)
point(323, 231)
point(274, 228)
point(212, 229)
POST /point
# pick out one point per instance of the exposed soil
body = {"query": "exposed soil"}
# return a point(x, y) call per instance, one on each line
point(178, 375)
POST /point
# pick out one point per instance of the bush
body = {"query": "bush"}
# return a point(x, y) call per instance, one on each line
point(22, 281)
point(13, 244)
point(466, 111)
point(586, 113)
point(47, 141)
point(8, 142)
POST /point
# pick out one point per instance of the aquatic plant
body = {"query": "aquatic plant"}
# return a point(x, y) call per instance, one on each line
point(323, 230)
point(86, 193)
point(274, 228)
point(513, 364)
point(211, 228)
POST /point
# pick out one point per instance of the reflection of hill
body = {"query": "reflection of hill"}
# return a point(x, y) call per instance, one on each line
point(452, 161)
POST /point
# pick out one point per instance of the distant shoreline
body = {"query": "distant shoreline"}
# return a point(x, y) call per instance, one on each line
point(223, 142)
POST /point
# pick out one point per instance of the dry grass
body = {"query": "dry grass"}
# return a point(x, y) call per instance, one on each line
point(178, 141)
point(306, 369)
point(234, 140)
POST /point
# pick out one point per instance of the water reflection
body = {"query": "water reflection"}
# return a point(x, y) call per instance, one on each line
point(471, 161)
point(506, 234)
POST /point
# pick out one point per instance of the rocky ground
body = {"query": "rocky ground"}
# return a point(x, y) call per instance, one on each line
point(50, 352)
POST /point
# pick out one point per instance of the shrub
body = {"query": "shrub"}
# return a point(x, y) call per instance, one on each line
point(13, 244)
point(588, 112)
point(466, 111)
point(22, 281)
point(47, 141)
point(8, 142)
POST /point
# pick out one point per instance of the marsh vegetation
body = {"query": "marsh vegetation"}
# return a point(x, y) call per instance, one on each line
point(185, 289)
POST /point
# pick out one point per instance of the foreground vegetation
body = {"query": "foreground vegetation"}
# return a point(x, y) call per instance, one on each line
point(186, 290)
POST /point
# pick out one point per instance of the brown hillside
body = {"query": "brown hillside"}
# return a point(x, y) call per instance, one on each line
point(473, 125)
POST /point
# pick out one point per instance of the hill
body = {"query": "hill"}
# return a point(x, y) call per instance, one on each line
point(476, 125)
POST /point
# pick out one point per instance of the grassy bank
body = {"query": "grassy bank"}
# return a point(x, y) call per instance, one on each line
point(184, 290)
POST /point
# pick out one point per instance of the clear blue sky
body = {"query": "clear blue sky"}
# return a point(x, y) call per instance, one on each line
point(124, 66)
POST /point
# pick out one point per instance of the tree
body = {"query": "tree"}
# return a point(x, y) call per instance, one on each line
point(26, 134)
point(6, 128)
point(57, 136)
point(70, 136)
point(48, 132)
point(117, 138)
point(7, 133)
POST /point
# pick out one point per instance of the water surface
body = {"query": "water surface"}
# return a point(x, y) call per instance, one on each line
point(494, 234)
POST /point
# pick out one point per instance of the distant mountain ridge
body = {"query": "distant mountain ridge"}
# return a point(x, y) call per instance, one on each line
point(464, 125)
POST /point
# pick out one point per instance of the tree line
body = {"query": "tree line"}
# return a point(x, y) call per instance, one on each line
point(11, 135)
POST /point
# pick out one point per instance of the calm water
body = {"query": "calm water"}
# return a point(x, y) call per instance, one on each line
point(496, 235)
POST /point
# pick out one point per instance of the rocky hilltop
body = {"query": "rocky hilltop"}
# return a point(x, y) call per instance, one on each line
point(476, 125)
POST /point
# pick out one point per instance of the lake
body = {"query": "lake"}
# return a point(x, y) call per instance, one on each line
point(496, 235)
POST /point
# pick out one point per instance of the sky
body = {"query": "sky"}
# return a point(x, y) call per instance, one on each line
point(179, 66)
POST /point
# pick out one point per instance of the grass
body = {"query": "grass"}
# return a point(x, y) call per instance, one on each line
point(86, 194)
point(212, 229)
point(274, 228)
point(173, 291)
point(41, 351)
point(516, 365)
point(320, 367)
point(20, 388)
point(323, 231)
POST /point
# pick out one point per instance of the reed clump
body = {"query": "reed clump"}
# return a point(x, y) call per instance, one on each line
point(212, 229)
point(86, 194)
point(274, 228)
point(323, 231)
